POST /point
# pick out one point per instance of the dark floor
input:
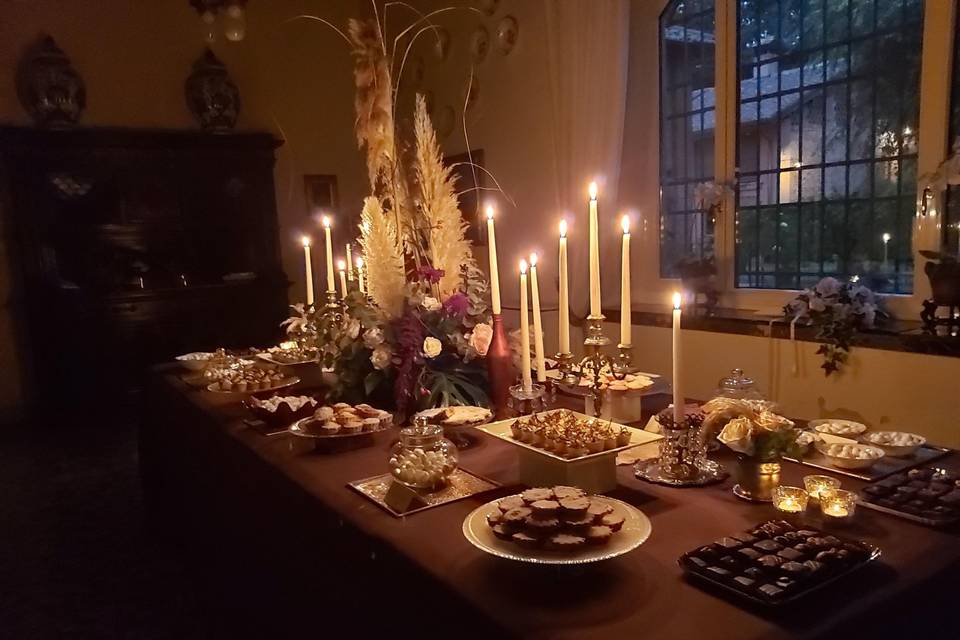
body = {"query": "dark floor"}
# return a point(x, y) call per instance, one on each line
point(76, 560)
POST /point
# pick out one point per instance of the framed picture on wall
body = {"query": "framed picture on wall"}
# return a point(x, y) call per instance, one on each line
point(471, 199)
point(321, 193)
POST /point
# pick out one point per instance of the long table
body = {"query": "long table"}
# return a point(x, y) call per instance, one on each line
point(282, 546)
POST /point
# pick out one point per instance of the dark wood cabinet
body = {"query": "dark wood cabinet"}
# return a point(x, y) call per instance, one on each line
point(129, 247)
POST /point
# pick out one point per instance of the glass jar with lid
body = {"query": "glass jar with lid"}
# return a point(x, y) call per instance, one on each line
point(423, 458)
point(739, 386)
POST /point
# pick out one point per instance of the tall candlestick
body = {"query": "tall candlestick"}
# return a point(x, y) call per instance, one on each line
point(677, 391)
point(363, 286)
point(524, 330)
point(308, 267)
point(594, 254)
point(564, 301)
point(537, 321)
point(494, 271)
point(329, 247)
point(626, 333)
point(342, 268)
point(349, 263)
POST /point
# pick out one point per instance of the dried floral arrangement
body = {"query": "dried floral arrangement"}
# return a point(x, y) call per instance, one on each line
point(418, 338)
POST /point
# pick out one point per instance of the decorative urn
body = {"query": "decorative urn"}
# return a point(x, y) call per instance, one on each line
point(212, 97)
point(48, 86)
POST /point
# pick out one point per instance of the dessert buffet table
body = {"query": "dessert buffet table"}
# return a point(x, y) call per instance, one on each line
point(281, 544)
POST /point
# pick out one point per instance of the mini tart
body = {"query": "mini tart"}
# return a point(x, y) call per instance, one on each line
point(329, 429)
point(562, 492)
point(351, 427)
point(532, 495)
point(565, 542)
point(371, 424)
point(324, 414)
point(545, 508)
point(544, 525)
point(596, 446)
point(574, 507)
point(494, 518)
point(340, 406)
point(599, 535)
point(599, 509)
point(517, 516)
point(579, 524)
point(524, 539)
point(386, 418)
point(510, 502)
point(613, 520)
point(501, 532)
point(623, 438)
point(515, 429)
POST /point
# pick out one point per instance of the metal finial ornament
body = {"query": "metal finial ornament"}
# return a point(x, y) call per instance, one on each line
point(333, 309)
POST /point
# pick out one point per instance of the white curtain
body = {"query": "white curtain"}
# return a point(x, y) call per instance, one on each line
point(587, 46)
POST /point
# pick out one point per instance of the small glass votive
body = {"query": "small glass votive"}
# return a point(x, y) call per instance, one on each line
point(819, 487)
point(839, 506)
point(790, 499)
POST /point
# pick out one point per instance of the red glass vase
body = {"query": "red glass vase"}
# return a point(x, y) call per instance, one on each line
point(500, 368)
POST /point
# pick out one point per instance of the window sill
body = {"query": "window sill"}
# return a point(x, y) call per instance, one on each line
point(895, 335)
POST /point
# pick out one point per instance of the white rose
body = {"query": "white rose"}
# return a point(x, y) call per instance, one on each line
point(432, 347)
point(481, 337)
point(738, 435)
point(381, 357)
point(373, 337)
point(431, 304)
point(352, 328)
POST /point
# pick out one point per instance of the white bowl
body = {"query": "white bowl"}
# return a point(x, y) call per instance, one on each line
point(196, 361)
point(845, 428)
point(876, 439)
point(844, 462)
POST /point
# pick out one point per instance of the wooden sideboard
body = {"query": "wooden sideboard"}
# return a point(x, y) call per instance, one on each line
point(119, 241)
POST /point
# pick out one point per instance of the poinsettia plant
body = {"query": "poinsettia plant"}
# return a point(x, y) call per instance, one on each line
point(839, 310)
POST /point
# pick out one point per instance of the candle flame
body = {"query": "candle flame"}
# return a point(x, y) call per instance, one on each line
point(533, 260)
point(886, 237)
point(359, 262)
point(593, 190)
point(523, 266)
point(305, 240)
point(563, 228)
point(625, 223)
point(326, 222)
point(341, 265)
point(489, 212)
point(676, 299)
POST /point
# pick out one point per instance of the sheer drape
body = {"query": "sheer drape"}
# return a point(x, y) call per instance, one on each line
point(587, 45)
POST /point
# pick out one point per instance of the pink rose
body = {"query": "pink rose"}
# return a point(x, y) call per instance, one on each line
point(481, 337)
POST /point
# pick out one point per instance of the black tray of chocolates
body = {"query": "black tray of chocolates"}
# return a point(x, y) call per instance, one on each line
point(776, 563)
point(929, 496)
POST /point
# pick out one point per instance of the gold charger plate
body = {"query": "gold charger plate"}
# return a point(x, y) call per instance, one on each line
point(636, 529)
point(501, 429)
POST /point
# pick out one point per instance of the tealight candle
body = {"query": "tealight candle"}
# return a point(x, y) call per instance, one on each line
point(790, 499)
point(840, 505)
point(819, 487)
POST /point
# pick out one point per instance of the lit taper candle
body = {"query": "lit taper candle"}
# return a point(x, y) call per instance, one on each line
point(363, 286)
point(494, 271)
point(308, 267)
point(349, 263)
point(524, 330)
point(537, 321)
point(594, 254)
point(342, 268)
point(329, 248)
point(564, 301)
point(626, 337)
point(677, 387)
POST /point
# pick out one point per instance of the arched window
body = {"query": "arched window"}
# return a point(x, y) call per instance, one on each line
point(687, 123)
point(827, 141)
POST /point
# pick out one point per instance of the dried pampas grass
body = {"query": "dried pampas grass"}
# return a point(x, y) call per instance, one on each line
point(382, 258)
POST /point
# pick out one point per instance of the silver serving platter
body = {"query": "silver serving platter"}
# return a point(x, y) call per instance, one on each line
point(301, 428)
point(635, 531)
point(660, 385)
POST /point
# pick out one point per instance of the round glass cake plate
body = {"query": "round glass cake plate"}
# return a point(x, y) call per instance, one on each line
point(636, 529)
point(460, 432)
point(651, 471)
point(287, 382)
point(303, 429)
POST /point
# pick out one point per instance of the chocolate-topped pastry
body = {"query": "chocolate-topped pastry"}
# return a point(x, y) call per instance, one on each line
point(745, 538)
point(578, 524)
point(574, 507)
point(502, 532)
point(510, 502)
point(517, 516)
point(532, 495)
point(744, 582)
point(602, 535)
point(565, 542)
point(545, 508)
point(599, 509)
point(613, 520)
point(494, 518)
point(542, 525)
point(793, 567)
point(768, 545)
point(561, 492)
point(771, 591)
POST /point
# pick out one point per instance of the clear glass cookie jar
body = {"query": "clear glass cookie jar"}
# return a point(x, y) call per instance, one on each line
point(423, 459)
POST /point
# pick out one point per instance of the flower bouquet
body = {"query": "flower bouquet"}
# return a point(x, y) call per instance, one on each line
point(838, 310)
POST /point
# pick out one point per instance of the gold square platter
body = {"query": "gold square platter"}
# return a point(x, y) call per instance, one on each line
point(461, 484)
point(501, 429)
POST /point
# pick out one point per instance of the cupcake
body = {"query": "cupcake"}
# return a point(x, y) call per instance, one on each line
point(510, 502)
point(623, 438)
point(351, 427)
point(532, 495)
point(574, 507)
point(524, 539)
point(562, 492)
point(599, 509)
point(515, 429)
point(329, 429)
point(371, 424)
point(324, 414)
point(386, 418)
